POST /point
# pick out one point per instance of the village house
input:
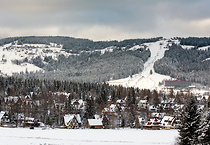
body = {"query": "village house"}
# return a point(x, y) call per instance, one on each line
point(31, 122)
point(72, 121)
point(153, 124)
point(94, 123)
point(168, 122)
point(78, 105)
point(143, 104)
point(113, 111)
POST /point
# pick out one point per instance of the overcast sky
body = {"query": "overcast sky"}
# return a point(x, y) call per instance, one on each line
point(105, 19)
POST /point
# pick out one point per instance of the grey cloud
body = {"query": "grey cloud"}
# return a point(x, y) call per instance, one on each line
point(131, 17)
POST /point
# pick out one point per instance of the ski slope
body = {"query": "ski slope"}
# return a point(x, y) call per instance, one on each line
point(146, 79)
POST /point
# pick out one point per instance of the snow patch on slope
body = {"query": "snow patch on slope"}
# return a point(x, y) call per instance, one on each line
point(13, 52)
point(204, 48)
point(187, 47)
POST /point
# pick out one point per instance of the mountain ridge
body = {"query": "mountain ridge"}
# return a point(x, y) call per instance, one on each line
point(68, 58)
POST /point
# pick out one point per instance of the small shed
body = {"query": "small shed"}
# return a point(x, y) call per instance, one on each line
point(94, 123)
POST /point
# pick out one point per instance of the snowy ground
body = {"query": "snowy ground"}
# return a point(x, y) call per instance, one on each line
point(25, 136)
point(145, 79)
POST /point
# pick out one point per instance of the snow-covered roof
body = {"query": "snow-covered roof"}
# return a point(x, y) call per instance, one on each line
point(111, 108)
point(94, 122)
point(97, 116)
point(143, 101)
point(69, 117)
point(120, 101)
point(159, 115)
point(78, 118)
point(152, 107)
point(11, 98)
point(167, 119)
point(1, 114)
point(29, 118)
point(153, 122)
point(79, 103)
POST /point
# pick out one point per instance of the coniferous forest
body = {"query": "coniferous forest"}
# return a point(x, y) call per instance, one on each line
point(30, 95)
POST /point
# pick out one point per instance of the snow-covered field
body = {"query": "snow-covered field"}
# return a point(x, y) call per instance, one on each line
point(25, 136)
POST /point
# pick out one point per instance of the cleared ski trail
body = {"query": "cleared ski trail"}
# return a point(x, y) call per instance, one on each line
point(146, 79)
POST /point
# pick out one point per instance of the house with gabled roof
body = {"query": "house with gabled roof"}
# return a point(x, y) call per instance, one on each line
point(153, 124)
point(143, 104)
point(94, 123)
point(168, 122)
point(72, 121)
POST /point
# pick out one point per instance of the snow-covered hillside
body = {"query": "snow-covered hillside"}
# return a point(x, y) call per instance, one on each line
point(147, 78)
point(96, 62)
point(12, 52)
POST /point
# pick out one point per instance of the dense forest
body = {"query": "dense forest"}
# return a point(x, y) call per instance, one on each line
point(92, 67)
point(190, 64)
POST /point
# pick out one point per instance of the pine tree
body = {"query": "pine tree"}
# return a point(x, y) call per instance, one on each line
point(155, 99)
point(123, 123)
point(137, 124)
point(190, 118)
point(105, 121)
point(89, 108)
point(204, 129)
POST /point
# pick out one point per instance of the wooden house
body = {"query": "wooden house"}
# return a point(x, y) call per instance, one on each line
point(72, 121)
point(94, 123)
point(168, 122)
point(153, 124)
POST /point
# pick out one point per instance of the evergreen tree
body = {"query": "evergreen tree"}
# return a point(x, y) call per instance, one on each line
point(89, 108)
point(190, 118)
point(105, 121)
point(204, 129)
point(123, 123)
point(137, 123)
point(155, 99)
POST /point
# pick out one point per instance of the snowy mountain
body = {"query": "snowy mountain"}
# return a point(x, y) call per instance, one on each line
point(142, 63)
